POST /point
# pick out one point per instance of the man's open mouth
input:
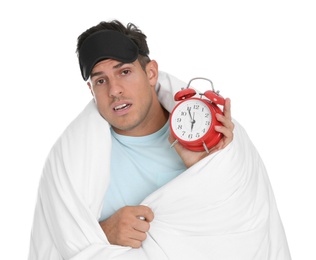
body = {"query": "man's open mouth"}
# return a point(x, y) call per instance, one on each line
point(122, 107)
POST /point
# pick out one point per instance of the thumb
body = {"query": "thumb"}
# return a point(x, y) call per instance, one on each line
point(145, 213)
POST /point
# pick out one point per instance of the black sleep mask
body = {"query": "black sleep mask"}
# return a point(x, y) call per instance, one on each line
point(106, 44)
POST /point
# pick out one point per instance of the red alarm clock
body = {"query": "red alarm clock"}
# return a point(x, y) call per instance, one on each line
point(193, 120)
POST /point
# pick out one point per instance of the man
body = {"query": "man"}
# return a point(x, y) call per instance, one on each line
point(124, 91)
point(74, 195)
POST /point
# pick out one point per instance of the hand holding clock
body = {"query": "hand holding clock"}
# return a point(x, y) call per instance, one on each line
point(191, 157)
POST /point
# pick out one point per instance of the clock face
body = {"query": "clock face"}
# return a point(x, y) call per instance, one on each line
point(191, 120)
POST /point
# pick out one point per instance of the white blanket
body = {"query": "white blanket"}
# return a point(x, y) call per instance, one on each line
point(221, 208)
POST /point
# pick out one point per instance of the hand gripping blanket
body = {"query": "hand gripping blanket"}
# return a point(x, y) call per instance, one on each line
point(221, 208)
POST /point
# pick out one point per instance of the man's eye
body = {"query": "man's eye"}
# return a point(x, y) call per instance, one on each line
point(100, 81)
point(125, 72)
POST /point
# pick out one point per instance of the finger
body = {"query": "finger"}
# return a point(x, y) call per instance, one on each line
point(227, 108)
point(136, 239)
point(226, 131)
point(226, 122)
point(141, 225)
point(148, 214)
point(220, 145)
point(137, 235)
point(143, 212)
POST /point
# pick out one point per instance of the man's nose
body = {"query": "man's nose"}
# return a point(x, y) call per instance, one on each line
point(116, 88)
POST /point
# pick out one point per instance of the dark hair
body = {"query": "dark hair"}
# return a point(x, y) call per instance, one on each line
point(131, 31)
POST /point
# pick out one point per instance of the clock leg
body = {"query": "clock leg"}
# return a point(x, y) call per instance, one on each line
point(205, 147)
point(174, 143)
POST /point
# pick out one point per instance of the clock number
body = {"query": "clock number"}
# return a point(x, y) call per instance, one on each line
point(179, 127)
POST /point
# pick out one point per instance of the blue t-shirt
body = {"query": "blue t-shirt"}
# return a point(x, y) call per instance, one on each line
point(139, 166)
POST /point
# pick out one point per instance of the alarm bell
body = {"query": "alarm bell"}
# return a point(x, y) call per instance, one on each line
point(212, 95)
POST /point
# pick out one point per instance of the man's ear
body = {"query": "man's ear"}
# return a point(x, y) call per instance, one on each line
point(90, 87)
point(152, 72)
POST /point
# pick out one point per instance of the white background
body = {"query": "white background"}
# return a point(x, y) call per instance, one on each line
point(261, 54)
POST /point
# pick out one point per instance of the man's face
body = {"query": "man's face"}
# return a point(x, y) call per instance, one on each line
point(124, 94)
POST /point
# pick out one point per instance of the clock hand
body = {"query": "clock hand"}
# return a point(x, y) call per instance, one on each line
point(192, 122)
point(192, 118)
point(189, 110)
